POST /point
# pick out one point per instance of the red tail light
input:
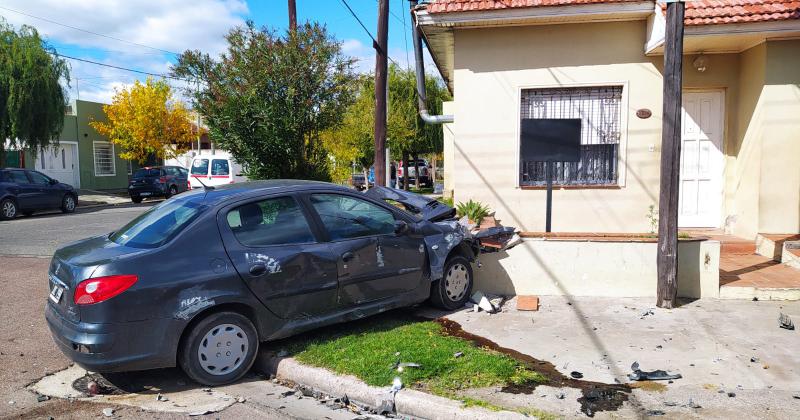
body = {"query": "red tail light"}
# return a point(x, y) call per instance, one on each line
point(162, 180)
point(96, 290)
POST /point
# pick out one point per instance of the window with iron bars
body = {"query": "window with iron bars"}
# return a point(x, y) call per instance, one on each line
point(600, 110)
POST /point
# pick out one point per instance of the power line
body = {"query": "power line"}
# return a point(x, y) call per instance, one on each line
point(374, 42)
point(405, 36)
point(120, 68)
point(87, 31)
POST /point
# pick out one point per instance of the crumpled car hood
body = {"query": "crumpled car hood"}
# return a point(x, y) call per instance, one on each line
point(429, 209)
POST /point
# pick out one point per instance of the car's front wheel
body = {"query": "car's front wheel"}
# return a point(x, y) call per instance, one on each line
point(219, 349)
point(8, 209)
point(68, 203)
point(454, 288)
point(136, 199)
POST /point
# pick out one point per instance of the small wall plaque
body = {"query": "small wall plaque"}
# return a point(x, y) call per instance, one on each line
point(644, 113)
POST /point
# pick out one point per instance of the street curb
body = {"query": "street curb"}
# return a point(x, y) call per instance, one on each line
point(408, 402)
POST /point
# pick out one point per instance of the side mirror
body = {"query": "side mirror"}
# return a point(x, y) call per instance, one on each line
point(400, 227)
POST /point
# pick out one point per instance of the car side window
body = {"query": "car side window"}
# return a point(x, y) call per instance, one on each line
point(275, 221)
point(220, 167)
point(38, 178)
point(347, 217)
point(18, 177)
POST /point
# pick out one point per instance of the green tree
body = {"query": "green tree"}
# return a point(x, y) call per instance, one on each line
point(353, 140)
point(32, 99)
point(268, 97)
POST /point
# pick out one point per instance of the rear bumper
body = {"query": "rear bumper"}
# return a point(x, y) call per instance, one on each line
point(116, 347)
point(146, 190)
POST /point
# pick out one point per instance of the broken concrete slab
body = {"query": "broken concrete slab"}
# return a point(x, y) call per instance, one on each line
point(185, 400)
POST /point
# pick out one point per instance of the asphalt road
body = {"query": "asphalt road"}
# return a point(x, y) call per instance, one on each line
point(42, 234)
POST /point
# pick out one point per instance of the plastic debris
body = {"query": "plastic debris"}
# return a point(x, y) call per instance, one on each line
point(575, 374)
point(397, 384)
point(647, 312)
point(785, 322)
point(402, 366)
point(108, 412)
point(754, 359)
point(160, 397)
point(654, 375)
point(487, 303)
point(42, 398)
point(458, 354)
point(92, 388)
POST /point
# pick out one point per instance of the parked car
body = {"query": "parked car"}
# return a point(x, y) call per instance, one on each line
point(213, 171)
point(201, 279)
point(158, 181)
point(424, 173)
point(23, 191)
point(358, 181)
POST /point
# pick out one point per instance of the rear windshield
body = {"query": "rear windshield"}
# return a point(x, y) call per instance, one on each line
point(200, 167)
point(161, 223)
point(144, 173)
point(219, 167)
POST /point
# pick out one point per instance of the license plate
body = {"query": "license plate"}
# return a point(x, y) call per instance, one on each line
point(56, 292)
point(145, 194)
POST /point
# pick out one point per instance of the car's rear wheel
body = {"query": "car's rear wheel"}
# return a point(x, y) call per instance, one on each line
point(136, 199)
point(219, 349)
point(68, 203)
point(172, 191)
point(454, 288)
point(8, 209)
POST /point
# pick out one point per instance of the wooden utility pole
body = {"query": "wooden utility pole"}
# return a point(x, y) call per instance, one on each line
point(667, 260)
point(292, 16)
point(381, 75)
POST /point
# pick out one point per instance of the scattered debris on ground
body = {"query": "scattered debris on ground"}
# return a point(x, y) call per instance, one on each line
point(785, 322)
point(647, 313)
point(527, 303)
point(486, 302)
point(654, 375)
point(575, 374)
point(108, 412)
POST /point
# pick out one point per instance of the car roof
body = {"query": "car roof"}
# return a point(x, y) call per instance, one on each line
point(273, 186)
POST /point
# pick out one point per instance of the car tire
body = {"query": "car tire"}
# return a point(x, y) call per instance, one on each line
point(136, 199)
point(230, 330)
point(68, 203)
point(455, 287)
point(172, 190)
point(8, 209)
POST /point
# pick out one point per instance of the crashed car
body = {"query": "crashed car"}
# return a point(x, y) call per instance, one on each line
point(201, 279)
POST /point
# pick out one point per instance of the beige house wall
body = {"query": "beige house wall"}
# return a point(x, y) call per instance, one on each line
point(448, 150)
point(493, 65)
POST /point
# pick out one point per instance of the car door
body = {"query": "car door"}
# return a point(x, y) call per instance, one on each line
point(48, 195)
point(276, 253)
point(182, 178)
point(374, 263)
point(27, 194)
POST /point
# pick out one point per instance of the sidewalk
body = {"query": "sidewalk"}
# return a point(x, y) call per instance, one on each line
point(88, 198)
point(734, 359)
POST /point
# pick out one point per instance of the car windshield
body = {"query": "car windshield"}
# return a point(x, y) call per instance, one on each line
point(144, 173)
point(161, 223)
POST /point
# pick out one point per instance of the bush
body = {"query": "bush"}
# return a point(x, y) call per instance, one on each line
point(474, 210)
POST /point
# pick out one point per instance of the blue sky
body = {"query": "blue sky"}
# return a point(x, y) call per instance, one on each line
point(143, 28)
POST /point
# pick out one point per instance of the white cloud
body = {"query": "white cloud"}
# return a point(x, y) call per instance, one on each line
point(170, 25)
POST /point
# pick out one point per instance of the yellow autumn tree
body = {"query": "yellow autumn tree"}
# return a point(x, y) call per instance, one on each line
point(146, 120)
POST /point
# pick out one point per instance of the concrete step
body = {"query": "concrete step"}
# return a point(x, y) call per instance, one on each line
point(770, 245)
point(760, 293)
point(738, 248)
point(791, 254)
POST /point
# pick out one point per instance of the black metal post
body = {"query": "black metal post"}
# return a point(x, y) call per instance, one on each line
point(548, 220)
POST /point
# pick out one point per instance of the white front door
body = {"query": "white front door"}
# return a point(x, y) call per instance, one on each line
point(700, 202)
point(60, 162)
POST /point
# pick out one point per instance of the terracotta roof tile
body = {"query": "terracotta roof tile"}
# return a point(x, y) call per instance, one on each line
point(699, 12)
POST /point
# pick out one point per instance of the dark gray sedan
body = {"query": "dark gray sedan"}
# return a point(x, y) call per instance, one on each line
point(202, 278)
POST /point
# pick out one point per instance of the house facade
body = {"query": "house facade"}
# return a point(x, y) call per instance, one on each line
point(83, 158)
point(601, 61)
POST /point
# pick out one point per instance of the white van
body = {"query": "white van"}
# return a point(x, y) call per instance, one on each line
point(213, 170)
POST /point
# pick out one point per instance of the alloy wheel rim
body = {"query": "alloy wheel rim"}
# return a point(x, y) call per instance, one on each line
point(9, 210)
point(456, 281)
point(223, 349)
point(70, 203)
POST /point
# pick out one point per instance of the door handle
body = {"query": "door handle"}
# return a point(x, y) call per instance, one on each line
point(347, 256)
point(258, 269)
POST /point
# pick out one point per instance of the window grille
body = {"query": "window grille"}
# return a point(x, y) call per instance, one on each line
point(104, 159)
point(600, 110)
